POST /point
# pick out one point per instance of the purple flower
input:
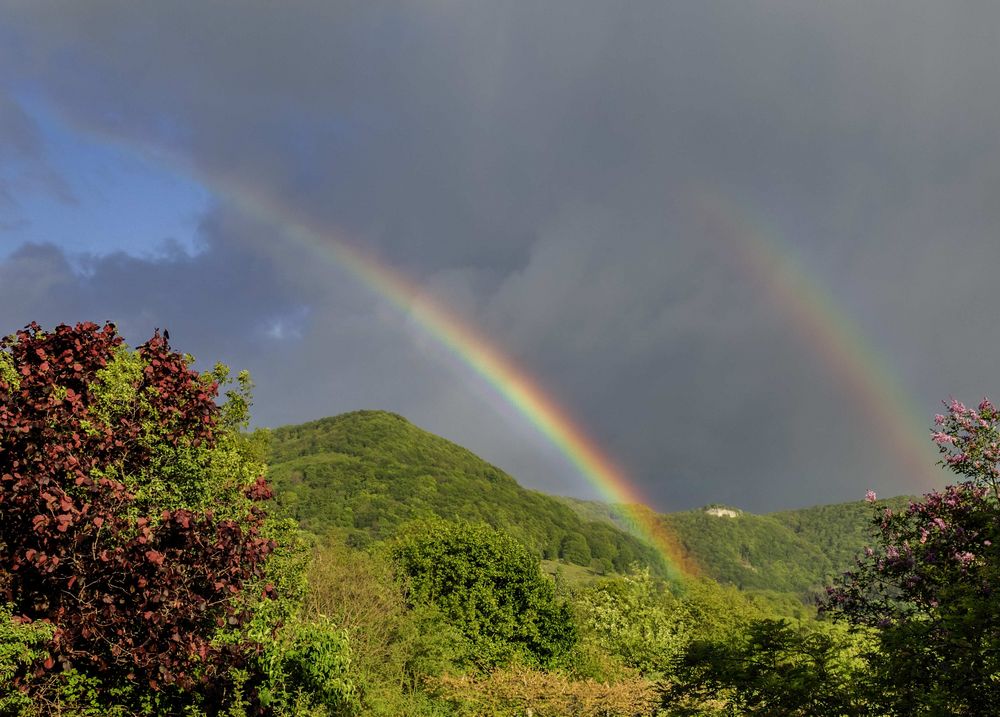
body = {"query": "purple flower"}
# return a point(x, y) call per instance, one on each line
point(870, 496)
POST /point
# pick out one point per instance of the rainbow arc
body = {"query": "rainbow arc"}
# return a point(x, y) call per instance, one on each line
point(812, 310)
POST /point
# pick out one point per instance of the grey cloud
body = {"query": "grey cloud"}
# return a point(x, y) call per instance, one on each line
point(531, 164)
point(19, 137)
point(24, 166)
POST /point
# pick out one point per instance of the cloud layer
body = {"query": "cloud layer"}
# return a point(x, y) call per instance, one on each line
point(534, 167)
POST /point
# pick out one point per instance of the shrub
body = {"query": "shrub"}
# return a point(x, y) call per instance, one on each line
point(517, 691)
point(636, 619)
point(393, 646)
point(770, 668)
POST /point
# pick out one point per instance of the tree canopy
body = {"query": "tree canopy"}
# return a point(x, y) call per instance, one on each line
point(133, 528)
point(489, 586)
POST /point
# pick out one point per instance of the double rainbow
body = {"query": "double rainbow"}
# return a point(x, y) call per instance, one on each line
point(806, 305)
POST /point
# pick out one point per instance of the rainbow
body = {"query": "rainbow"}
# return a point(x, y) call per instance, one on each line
point(474, 350)
point(757, 250)
point(809, 308)
point(466, 344)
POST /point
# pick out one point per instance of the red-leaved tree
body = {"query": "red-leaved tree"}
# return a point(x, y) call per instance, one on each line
point(135, 593)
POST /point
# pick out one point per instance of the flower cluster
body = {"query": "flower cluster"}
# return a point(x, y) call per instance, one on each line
point(969, 440)
point(946, 538)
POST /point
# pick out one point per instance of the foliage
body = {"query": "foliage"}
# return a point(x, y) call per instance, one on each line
point(929, 585)
point(489, 587)
point(22, 645)
point(132, 524)
point(306, 670)
point(517, 691)
point(769, 668)
point(749, 551)
point(394, 647)
point(636, 619)
point(370, 472)
point(786, 557)
point(840, 532)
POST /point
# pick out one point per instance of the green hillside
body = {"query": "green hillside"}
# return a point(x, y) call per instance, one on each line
point(368, 472)
point(840, 531)
point(752, 552)
point(789, 551)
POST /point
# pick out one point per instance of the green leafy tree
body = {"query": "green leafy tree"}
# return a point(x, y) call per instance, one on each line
point(771, 668)
point(395, 648)
point(574, 549)
point(489, 586)
point(636, 619)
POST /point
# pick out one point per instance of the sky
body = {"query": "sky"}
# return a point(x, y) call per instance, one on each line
point(747, 247)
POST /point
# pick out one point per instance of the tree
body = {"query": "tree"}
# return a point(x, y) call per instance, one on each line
point(929, 588)
point(132, 523)
point(769, 668)
point(489, 586)
point(637, 619)
point(574, 549)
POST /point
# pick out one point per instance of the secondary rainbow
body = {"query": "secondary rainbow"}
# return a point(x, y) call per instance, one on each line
point(759, 251)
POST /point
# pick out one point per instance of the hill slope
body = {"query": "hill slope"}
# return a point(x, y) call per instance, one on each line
point(752, 552)
point(368, 472)
point(789, 551)
point(840, 531)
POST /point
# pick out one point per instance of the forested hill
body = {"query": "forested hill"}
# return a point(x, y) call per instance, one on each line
point(368, 472)
point(789, 551)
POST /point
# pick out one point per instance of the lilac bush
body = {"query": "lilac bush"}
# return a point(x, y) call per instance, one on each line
point(928, 587)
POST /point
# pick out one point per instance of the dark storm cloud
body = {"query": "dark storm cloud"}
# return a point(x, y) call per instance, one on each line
point(532, 165)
